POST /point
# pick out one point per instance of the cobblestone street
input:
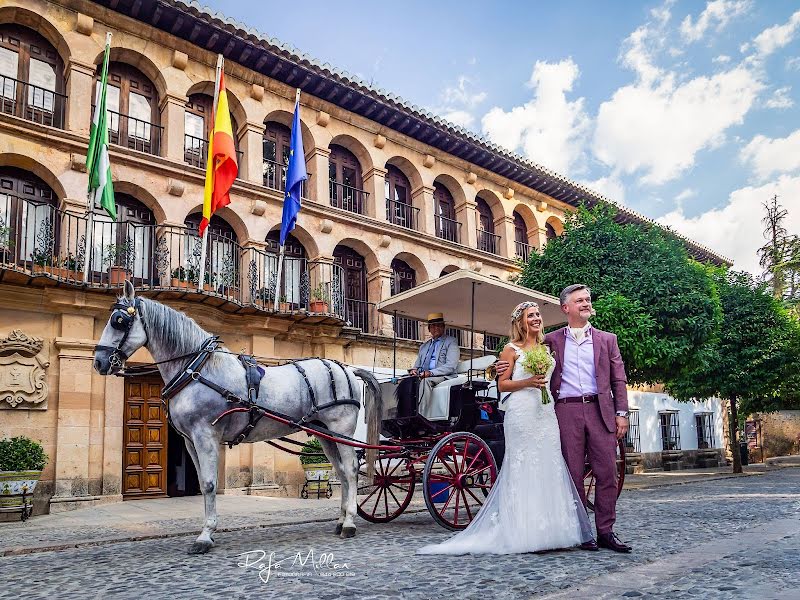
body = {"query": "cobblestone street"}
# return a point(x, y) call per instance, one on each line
point(726, 538)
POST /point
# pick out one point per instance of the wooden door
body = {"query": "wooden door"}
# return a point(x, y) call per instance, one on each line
point(144, 463)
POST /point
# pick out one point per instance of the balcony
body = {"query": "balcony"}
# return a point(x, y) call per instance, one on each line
point(275, 177)
point(133, 133)
point(195, 151)
point(522, 251)
point(448, 229)
point(402, 214)
point(487, 241)
point(347, 198)
point(40, 242)
point(31, 102)
point(407, 329)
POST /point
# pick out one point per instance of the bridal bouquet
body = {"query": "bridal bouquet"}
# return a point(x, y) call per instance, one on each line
point(537, 361)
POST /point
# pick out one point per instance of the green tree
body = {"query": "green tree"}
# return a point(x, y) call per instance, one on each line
point(749, 359)
point(661, 304)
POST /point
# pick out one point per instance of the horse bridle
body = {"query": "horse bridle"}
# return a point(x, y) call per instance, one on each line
point(123, 316)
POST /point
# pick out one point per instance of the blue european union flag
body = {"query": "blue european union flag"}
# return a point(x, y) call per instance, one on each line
point(295, 176)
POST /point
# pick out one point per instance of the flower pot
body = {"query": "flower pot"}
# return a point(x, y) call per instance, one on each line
point(12, 486)
point(284, 307)
point(117, 275)
point(318, 471)
point(179, 283)
point(40, 268)
point(207, 287)
point(318, 306)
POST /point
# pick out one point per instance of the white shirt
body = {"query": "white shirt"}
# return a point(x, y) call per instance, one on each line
point(578, 377)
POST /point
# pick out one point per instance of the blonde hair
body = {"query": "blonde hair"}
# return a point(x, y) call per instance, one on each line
point(519, 326)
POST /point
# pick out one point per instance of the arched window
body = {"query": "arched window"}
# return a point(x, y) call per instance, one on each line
point(550, 232)
point(31, 77)
point(294, 279)
point(521, 247)
point(127, 242)
point(29, 224)
point(276, 145)
point(487, 240)
point(404, 278)
point(132, 101)
point(197, 128)
point(398, 199)
point(344, 172)
point(447, 227)
point(354, 284)
point(222, 255)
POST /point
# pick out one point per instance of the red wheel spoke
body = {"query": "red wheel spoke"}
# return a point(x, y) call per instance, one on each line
point(469, 491)
point(364, 501)
point(449, 487)
point(455, 511)
point(396, 501)
point(446, 466)
point(464, 456)
point(466, 505)
point(439, 477)
point(474, 458)
point(377, 501)
point(479, 471)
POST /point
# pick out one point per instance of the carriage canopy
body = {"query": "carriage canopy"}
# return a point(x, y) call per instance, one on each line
point(451, 294)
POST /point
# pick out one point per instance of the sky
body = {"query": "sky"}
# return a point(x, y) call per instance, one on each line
point(685, 111)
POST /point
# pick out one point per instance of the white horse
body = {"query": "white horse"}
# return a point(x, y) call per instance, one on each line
point(300, 391)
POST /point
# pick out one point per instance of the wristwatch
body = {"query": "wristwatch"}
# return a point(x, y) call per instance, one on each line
point(622, 413)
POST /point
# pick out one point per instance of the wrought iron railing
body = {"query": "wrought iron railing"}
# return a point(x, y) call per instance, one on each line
point(522, 250)
point(448, 229)
point(137, 134)
point(407, 329)
point(31, 102)
point(488, 241)
point(402, 214)
point(275, 177)
point(195, 152)
point(360, 314)
point(346, 197)
point(632, 439)
point(670, 431)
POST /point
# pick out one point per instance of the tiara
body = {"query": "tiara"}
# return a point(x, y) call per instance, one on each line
point(521, 307)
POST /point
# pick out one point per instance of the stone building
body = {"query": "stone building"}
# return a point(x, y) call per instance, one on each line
point(396, 196)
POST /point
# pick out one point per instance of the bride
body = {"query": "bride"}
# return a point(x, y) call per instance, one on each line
point(534, 504)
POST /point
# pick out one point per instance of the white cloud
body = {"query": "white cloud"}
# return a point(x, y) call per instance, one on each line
point(776, 37)
point(549, 128)
point(768, 156)
point(459, 117)
point(793, 64)
point(459, 101)
point(611, 187)
point(735, 230)
point(717, 14)
point(685, 195)
point(780, 99)
point(722, 59)
point(657, 126)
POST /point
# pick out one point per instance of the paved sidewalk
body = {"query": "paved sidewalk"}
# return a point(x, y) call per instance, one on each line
point(171, 517)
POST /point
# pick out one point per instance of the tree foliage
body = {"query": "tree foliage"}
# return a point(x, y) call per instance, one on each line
point(662, 305)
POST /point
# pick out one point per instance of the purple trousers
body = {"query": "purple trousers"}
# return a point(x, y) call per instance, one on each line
point(584, 433)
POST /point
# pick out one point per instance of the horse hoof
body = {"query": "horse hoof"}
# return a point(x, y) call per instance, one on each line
point(200, 548)
point(338, 529)
point(348, 532)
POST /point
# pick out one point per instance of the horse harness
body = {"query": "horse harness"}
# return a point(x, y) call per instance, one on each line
point(122, 317)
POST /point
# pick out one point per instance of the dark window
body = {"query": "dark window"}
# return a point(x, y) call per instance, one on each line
point(445, 213)
point(344, 172)
point(31, 77)
point(670, 431)
point(276, 145)
point(398, 198)
point(632, 440)
point(487, 240)
point(28, 218)
point(520, 230)
point(132, 103)
point(491, 342)
point(550, 231)
point(294, 279)
point(354, 285)
point(705, 430)
point(404, 278)
point(197, 127)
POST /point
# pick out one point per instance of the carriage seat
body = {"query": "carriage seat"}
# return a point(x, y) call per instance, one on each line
point(438, 409)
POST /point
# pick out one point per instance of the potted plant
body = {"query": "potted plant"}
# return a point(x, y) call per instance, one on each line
point(317, 469)
point(41, 260)
point(118, 259)
point(6, 243)
point(21, 464)
point(319, 299)
point(69, 268)
point(283, 305)
point(179, 278)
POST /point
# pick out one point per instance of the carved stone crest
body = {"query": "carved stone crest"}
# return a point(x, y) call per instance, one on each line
point(23, 373)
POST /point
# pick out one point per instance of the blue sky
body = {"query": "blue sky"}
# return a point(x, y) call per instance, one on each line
point(685, 111)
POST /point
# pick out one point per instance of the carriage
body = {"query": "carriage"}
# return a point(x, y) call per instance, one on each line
point(455, 449)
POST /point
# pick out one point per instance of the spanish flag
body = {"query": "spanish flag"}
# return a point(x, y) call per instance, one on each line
point(221, 166)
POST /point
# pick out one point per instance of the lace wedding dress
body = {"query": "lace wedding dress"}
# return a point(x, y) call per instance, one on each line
point(533, 505)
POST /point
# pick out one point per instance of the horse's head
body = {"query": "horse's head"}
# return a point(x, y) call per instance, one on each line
point(123, 335)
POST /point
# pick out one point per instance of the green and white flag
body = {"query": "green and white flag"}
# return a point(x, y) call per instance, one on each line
point(101, 191)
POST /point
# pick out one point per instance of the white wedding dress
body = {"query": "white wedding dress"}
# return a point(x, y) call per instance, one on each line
point(533, 505)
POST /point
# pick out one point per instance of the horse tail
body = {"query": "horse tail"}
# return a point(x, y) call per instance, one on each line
point(373, 406)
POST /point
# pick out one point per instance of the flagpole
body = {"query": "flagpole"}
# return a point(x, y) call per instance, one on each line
point(281, 251)
point(204, 243)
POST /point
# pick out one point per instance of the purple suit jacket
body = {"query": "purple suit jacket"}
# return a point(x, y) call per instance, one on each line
point(612, 382)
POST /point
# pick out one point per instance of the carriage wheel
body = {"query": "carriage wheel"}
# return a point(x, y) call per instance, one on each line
point(389, 492)
point(588, 476)
point(459, 472)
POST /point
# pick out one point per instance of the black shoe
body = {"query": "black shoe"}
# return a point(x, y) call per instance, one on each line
point(591, 545)
point(612, 542)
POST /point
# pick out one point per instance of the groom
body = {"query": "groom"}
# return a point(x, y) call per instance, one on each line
point(589, 388)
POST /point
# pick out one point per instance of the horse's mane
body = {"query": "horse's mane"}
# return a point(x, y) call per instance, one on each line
point(172, 329)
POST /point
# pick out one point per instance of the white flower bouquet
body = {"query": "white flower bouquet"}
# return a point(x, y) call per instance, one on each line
point(537, 361)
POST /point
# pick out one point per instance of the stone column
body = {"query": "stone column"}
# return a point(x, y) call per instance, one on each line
point(80, 97)
point(379, 282)
point(422, 198)
point(251, 143)
point(542, 239)
point(317, 165)
point(375, 184)
point(466, 214)
point(173, 110)
point(504, 227)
